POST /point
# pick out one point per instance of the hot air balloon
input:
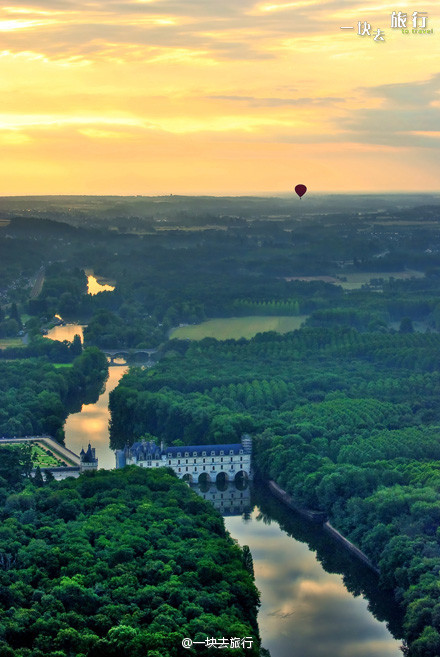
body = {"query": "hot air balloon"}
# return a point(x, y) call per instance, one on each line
point(300, 190)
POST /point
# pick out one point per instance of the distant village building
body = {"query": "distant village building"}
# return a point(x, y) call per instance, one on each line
point(192, 462)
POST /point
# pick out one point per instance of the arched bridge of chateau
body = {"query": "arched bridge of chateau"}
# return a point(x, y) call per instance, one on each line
point(194, 463)
point(113, 354)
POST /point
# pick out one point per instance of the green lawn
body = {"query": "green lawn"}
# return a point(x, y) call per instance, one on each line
point(10, 342)
point(62, 364)
point(43, 456)
point(43, 459)
point(238, 327)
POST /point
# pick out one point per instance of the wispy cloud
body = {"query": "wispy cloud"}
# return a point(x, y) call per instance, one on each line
point(230, 95)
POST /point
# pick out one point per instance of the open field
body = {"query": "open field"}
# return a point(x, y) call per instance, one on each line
point(238, 327)
point(308, 279)
point(405, 222)
point(189, 229)
point(355, 280)
point(10, 342)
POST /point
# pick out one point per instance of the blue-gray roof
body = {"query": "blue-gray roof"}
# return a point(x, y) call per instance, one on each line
point(147, 448)
point(235, 447)
point(153, 451)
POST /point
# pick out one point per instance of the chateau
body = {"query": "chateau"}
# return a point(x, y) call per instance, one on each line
point(192, 462)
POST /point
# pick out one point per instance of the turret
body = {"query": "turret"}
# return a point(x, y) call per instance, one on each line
point(246, 441)
point(88, 460)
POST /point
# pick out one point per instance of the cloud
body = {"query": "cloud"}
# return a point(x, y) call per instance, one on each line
point(226, 30)
point(408, 94)
point(254, 101)
point(409, 115)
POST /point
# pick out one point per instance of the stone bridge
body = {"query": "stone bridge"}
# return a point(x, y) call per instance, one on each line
point(112, 354)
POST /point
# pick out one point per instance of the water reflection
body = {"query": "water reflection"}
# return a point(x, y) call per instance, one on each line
point(229, 499)
point(93, 287)
point(66, 332)
point(91, 424)
point(306, 611)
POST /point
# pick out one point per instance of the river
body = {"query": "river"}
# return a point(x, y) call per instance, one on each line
point(317, 600)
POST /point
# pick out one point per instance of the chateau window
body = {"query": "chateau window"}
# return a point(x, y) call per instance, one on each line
point(203, 453)
point(221, 467)
point(231, 451)
point(149, 463)
point(213, 460)
point(194, 453)
point(221, 460)
point(231, 459)
point(241, 451)
point(169, 462)
point(186, 461)
point(195, 468)
point(204, 459)
point(179, 454)
point(232, 467)
point(195, 460)
point(212, 453)
point(170, 455)
point(186, 453)
point(178, 461)
point(213, 467)
point(187, 468)
point(204, 467)
point(241, 458)
point(180, 469)
point(157, 465)
point(221, 453)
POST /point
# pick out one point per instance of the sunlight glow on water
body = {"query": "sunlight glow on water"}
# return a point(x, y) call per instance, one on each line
point(93, 287)
point(91, 425)
point(66, 332)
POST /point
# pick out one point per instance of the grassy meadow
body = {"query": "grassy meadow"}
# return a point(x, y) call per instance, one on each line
point(237, 327)
point(10, 342)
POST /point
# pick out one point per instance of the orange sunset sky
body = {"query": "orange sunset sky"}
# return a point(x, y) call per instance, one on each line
point(210, 97)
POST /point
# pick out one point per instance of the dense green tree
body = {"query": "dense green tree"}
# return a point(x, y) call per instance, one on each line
point(116, 576)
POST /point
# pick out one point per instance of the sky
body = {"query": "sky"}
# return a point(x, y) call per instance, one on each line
point(207, 97)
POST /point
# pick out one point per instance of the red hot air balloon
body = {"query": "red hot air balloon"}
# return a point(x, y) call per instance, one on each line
point(300, 190)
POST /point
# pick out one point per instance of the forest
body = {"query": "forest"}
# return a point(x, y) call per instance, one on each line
point(36, 397)
point(344, 411)
point(114, 564)
point(183, 260)
point(346, 422)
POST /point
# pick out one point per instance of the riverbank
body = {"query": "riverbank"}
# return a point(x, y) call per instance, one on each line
point(320, 517)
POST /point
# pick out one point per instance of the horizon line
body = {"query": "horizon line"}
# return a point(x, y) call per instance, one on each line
point(226, 195)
